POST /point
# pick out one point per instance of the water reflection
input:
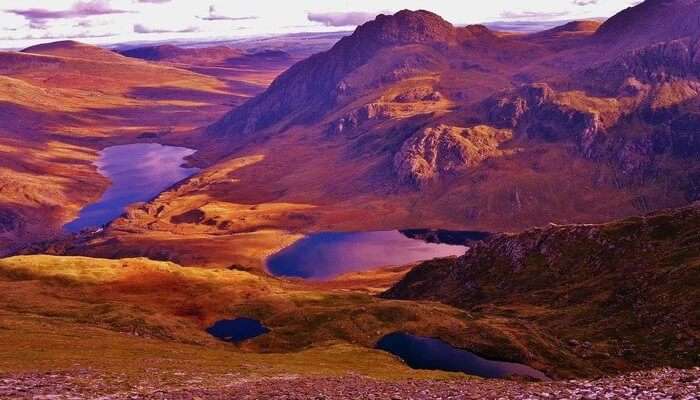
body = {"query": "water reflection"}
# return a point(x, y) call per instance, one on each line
point(434, 354)
point(329, 254)
point(138, 172)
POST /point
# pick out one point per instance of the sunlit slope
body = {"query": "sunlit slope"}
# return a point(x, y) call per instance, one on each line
point(169, 307)
point(62, 101)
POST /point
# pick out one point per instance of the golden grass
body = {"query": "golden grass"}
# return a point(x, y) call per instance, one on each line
point(48, 301)
point(30, 343)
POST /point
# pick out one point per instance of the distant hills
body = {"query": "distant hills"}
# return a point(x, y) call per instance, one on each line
point(215, 55)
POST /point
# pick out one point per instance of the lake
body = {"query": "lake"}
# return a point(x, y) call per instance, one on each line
point(329, 254)
point(237, 330)
point(427, 353)
point(138, 172)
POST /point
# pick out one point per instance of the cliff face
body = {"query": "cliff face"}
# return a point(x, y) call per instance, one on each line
point(626, 286)
point(441, 150)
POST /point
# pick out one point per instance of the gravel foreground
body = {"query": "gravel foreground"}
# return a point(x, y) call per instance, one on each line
point(659, 384)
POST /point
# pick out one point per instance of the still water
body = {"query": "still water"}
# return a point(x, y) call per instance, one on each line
point(427, 353)
point(237, 330)
point(138, 172)
point(329, 254)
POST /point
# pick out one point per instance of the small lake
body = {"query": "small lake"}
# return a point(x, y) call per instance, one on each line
point(138, 172)
point(327, 255)
point(427, 353)
point(237, 330)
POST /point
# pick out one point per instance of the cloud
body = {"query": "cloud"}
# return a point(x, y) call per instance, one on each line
point(47, 36)
point(139, 28)
point(341, 18)
point(536, 15)
point(214, 16)
point(83, 24)
point(39, 16)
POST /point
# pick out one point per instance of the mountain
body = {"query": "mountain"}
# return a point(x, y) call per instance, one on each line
point(319, 79)
point(624, 293)
point(650, 22)
point(214, 55)
point(412, 121)
point(73, 49)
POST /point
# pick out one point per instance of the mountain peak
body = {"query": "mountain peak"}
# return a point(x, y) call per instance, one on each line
point(407, 26)
point(319, 80)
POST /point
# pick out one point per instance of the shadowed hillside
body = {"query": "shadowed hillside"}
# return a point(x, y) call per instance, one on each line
point(621, 293)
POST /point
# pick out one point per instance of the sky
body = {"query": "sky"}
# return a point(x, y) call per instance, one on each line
point(28, 22)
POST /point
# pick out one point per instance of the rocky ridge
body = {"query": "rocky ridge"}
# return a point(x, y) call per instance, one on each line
point(580, 283)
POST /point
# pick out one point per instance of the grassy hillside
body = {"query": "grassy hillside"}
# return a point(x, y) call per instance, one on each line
point(133, 314)
point(624, 294)
point(142, 304)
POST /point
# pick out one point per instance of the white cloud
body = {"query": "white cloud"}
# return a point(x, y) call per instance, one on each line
point(352, 18)
point(226, 18)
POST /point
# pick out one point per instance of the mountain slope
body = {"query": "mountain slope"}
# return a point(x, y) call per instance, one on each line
point(662, 21)
point(60, 103)
point(629, 289)
point(73, 49)
point(411, 122)
point(319, 79)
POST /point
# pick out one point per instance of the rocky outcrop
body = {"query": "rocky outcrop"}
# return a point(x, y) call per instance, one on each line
point(534, 111)
point(638, 72)
point(418, 94)
point(195, 216)
point(444, 149)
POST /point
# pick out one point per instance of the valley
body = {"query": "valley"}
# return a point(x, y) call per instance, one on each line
point(403, 138)
point(414, 209)
point(64, 102)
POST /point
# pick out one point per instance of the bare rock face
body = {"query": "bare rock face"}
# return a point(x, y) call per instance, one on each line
point(666, 63)
point(534, 111)
point(509, 110)
point(443, 149)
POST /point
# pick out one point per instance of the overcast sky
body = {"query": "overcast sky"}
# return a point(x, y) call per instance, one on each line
point(27, 22)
